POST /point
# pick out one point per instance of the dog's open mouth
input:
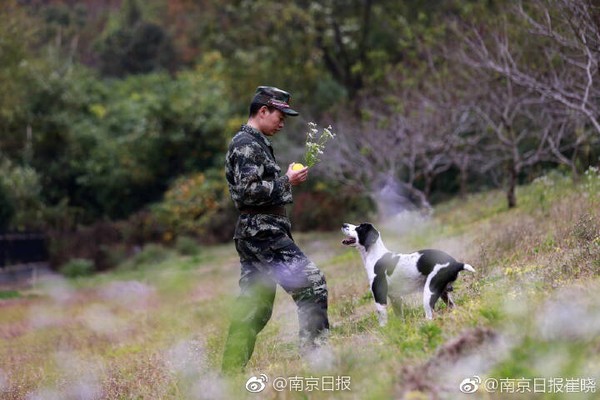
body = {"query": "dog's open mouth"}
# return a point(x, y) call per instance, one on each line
point(348, 241)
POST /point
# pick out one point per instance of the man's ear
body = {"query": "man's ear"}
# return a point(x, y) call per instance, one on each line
point(263, 110)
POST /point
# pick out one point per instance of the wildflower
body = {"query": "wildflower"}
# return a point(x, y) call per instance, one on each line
point(315, 143)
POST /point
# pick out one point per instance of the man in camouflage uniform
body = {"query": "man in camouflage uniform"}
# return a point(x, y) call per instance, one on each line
point(263, 238)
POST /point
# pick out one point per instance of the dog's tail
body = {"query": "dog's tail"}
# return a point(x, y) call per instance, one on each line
point(468, 268)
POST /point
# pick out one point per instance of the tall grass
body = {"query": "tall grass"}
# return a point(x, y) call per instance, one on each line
point(155, 328)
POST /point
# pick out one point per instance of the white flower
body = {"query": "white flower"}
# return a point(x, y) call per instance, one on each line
point(315, 143)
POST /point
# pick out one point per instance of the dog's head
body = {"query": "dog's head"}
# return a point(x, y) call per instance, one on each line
point(363, 235)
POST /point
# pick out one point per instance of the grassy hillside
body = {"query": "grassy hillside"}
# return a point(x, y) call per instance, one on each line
point(155, 329)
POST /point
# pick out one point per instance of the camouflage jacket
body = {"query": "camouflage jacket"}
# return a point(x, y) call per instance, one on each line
point(254, 179)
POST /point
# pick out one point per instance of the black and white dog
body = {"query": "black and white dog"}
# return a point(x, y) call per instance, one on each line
point(395, 275)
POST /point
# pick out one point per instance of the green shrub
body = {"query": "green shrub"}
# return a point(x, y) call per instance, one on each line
point(77, 267)
point(20, 197)
point(187, 246)
point(9, 294)
point(151, 254)
point(112, 255)
point(192, 204)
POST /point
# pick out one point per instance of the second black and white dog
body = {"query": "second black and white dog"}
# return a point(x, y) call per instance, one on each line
point(395, 275)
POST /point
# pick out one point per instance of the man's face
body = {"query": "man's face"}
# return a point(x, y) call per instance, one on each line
point(271, 121)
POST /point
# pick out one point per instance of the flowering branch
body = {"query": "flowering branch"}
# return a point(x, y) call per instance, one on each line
point(315, 143)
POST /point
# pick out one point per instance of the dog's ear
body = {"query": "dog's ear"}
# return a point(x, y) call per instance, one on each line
point(367, 234)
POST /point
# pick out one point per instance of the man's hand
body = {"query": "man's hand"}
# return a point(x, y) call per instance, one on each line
point(297, 177)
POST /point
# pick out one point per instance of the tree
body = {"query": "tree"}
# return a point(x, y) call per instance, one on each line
point(539, 84)
point(136, 47)
point(514, 139)
point(21, 206)
point(343, 35)
point(16, 28)
point(397, 152)
point(361, 40)
point(562, 39)
point(140, 134)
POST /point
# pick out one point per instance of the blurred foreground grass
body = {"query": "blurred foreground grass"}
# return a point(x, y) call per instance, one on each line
point(155, 328)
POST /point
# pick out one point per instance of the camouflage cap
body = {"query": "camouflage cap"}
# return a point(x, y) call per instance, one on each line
point(274, 97)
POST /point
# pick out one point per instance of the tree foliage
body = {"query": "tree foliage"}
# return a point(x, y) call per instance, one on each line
point(108, 105)
point(136, 46)
point(191, 204)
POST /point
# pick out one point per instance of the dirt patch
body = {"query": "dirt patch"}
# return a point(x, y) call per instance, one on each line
point(425, 378)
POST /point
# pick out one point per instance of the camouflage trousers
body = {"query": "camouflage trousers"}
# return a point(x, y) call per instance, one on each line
point(265, 263)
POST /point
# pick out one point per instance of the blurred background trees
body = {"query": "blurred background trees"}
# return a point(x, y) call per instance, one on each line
point(119, 112)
